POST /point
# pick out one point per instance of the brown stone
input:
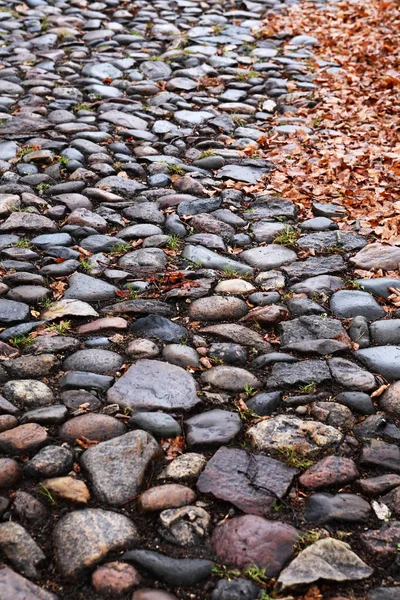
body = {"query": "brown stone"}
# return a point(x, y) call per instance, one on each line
point(103, 324)
point(115, 579)
point(16, 587)
point(332, 470)
point(249, 540)
point(24, 438)
point(147, 594)
point(377, 256)
point(382, 543)
point(215, 308)
point(83, 538)
point(10, 472)
point(92, 426)
point(378, 485)
point(170, 495)
point(267, 315)
point(7, 422)
point(252, 483)
point(68, 488)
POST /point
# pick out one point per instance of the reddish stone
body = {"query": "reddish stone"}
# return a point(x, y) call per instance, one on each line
point(24, 438)
point(382, 543)
point(103, 324)
point(10, 472)
point(92, 426)
point(252, 483)
point(248, 540)
point(332, 470)
point(7, 422)
point(115, 579)
point(147, 594)
point(170, 495)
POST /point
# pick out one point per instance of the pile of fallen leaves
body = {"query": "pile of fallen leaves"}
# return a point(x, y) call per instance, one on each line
point(360, 168)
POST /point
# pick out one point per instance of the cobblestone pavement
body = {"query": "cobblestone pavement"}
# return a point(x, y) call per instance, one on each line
point(199, 400)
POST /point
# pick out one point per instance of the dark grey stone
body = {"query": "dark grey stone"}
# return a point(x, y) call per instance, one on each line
point(157, 423)
point(173, 571)
point(212, 428)
point(353, 303)
point(161, 328)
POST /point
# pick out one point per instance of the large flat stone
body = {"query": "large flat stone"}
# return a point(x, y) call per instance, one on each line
point(268, 257)
point(327, 559)
point(251, 482)
point(153, 385)
point(89, 289)
point(116, 468)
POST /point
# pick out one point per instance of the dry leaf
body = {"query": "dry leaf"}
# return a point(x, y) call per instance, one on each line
point(379, 391)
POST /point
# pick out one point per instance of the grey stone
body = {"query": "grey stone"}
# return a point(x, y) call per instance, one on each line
point(321, 284)
point(185, 526)
point(268, 257)
point(326, 508)
point(357, 401)
point(212, 260)
point(327, 559)
point(158, 424)
point(97, 361)
point(16, 587)
point(350, 375)
point(181, 355)
point(89, 289)
point(214, 427)
point(51, 461)
point(116, 468)
point(235, 589)
point(359, 332)
point(304, 372)
point(384, 360)
point(28, 393)
point(328, 240)
point(386, 333)
point(353, 303)
point(20, 549)
point(239, 334)
point(128, 188)
point(161, 328)
point(377, 256)
point(12, 311)
point(380, 285)
point(103, 531)
point(175, 572)
point(152, 385)
point(230, 378)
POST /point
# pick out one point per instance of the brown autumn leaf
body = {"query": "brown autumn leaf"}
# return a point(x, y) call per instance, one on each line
point(84, 442)
point(379, 391)
point(173, 447)
point(394, 297)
